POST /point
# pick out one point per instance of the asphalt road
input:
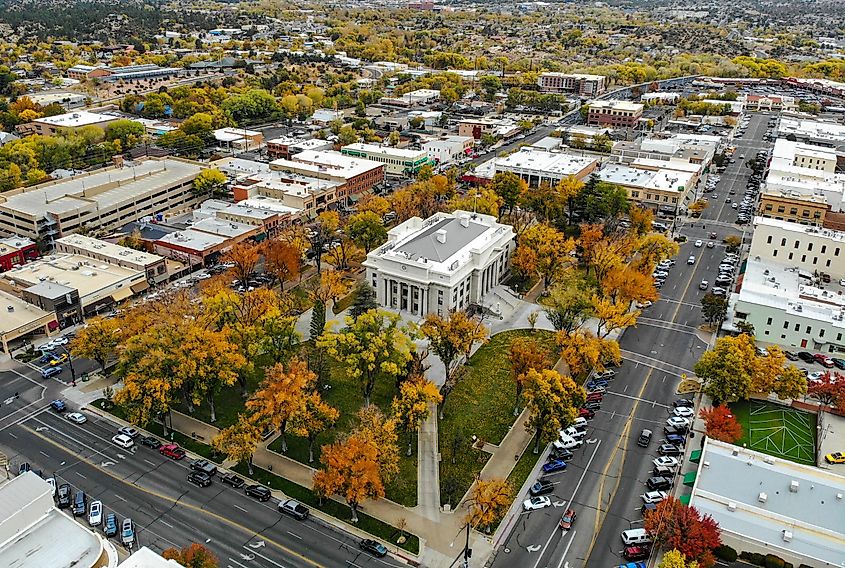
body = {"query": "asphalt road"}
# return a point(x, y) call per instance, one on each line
point(153, 491)
point(606, 477)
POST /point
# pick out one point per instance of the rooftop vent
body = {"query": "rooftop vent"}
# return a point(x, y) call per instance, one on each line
point(441, 236)
point(464, 220)
point(793, 486)
point(731, 506)
point(762, 497)
point(787, 535)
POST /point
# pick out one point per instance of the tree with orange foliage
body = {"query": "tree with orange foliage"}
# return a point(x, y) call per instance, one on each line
point(281, 260)
point(282, 395)
point(192, 556)
point(673, 525)
point(544, 251)
point(525, 353)
point(721, 424)
point(623, 284)
point(488, 502)
point(583, 351)
point(351, 470)
point(244, 256)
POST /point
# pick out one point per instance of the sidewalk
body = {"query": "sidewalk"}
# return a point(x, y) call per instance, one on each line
point(428, 468)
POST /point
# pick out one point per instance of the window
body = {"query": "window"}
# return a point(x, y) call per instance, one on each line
point(824, 249)
point(797, 327)
point(803, 258)
point(790, 256)
point(775, 252)
point(809, 329)
point(821, 332)
point(815, 260)
point(796, 244)
point(769, 321)
point(809, 246)
point(786, 325)
point(783, 242)
point(769, 240)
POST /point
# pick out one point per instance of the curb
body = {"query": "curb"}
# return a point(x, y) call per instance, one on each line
point(326, 519)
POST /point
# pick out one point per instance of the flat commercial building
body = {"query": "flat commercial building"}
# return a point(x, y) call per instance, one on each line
point(146, 558)
point(696, 149)
point(446, 262)
point(97, 284)
point(238, 139)
point(615, 114)
point(770, 103)
point(414, 98)
point(794, 206)
point(299, 194)
point(15, 251)
point(815, 132)
point(106, 199)
point(660, 189)
point(206, 240)
point(580, 84)
point(354, 176)
point(797, 168)
point(768, 505)
point(21, 318)
point(397, 161)
point(537, 166)
point(448, 149)
point(269, 219)
point(77, 119)
point(284, 147)
point(152, 265)
point(35, 534)
point(814, 249)
point(478, 127)
point(144, 71)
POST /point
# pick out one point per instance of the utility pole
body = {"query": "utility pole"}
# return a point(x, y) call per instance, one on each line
point(467, 549)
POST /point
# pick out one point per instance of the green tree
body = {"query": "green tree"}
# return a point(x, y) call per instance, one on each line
point(714, 308)
point(210, 181)
point(367, 230)
point(365, 299)
point(129, 132)
point(509, 187)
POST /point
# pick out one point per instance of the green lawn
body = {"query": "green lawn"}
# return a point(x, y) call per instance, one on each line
point(777, 430)
point(366, 523)
point(480, 405)
point(345, 395)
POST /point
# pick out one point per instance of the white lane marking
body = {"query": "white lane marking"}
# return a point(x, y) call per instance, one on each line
point(294, 535)
point(80, 475)
point(86, 446)
point(165, 523)
point(568, 544)
point(273, 562)
point(119, 497)
point(571, 499)
point(149, 462)
point(23, 418)
point(241, 508)
point(236, 562)
point(43, 454)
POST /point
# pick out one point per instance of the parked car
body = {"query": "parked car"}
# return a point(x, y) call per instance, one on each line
point(688, 402)
point(172, 451)
point(294, 509)
point(541, 487)
point(51, 372)
point(129, 431)
point(681, 430)
point(51, 481)
point(76, 417)
point(233, 480)
point(536, 503)
point(567, 519)
point(150, 442)
point(636, 552)
point(835, 457)
point(665, 461)
point(676, 439)
point(806, 357)
point(199, 478)
point(95, 513)
point(823, 360)
point(607, 374)
point(553, 466)
point(839, 363)
point(677, 421)
point(110, 526)
point(658, 483)
point(204, 466)
point(80, 504)
point(595, 397)
point(669, 450)
point(586, 413)
point(63, 496)
point(790, 355)
point(258, 491)
point(592, 405)
point(373, 547)
point(653, 497)
point(560, 454)
point(127, 532)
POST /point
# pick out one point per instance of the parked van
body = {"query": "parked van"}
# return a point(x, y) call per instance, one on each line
point(580, 423)
point(567, 443)
point(635, 536)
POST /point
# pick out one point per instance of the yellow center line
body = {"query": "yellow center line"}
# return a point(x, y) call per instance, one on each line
point(623, 437)
point(181, 503)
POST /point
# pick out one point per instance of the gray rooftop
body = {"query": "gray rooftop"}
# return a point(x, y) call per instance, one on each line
point(814, 513)
point(426, 245)
point(51, 290)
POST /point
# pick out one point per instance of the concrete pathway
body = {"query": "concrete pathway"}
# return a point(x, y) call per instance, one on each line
point(428, 468)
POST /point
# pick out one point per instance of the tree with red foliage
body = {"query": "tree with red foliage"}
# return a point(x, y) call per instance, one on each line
point(829, 390)
point(192, 556)
point(721, 424)
point(675, 525)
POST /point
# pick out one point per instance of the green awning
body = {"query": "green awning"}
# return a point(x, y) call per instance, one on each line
point(689, 478)
point(685, 499)
point(695, 456)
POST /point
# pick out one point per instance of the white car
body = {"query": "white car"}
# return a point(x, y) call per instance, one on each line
point(76, 417)
point(691, 259)
point(535, 503)
point(51, 481)
point(816, 375)
point(665, 461)
point(660, 274)
point(123, 441)
point(683, 412)
point(607, 374)
point(699, 243)
point(703, 285)
point(653, 497)
point(95, 513)
point(644, 305)
point(677, 421)
point(572, 432)
point(710, 244)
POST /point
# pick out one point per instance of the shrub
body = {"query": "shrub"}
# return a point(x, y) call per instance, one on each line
point(772, 561)
point(753, 558)
point(726, 553)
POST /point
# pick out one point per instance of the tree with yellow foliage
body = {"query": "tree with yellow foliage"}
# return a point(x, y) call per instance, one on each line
point(623, 284)
point(583, 351)
point(351, 470)
point(244, 256)
point(544, 251)
point(313, 418)
point(98, 340)
point(524, 354)
point(675, 559)
point(552, 401)
point(373, 345)
point(281, 396)
point(653, 248)
point(375, 203)
point(380, 429)
point(612, 316)
point(482, 200)
point(239, 441)
point(411, 406)
point(488, 502)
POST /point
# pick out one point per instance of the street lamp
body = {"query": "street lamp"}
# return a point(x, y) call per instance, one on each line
point(70, 364)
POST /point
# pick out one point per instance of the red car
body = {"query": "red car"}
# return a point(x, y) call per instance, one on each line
point(636, 552)
point(567, 520)
point(823, 360)
point(595, 396)
point(586, 413)
point(172, 451)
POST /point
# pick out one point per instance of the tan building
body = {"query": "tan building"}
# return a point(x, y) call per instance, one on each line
point(794, 206)
point(21, 319)
point(661, 190)
point(154, 266)
point(106, 199)
point(49, 125)
point(616, 114)
point(580, 84)
point(239, 139)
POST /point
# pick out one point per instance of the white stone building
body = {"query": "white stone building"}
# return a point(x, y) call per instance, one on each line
point(446, 262)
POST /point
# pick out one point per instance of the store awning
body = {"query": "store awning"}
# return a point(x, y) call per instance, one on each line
point(689, 478)
point(122, 294)
point(695, 456)
point(685, 499)
point(139, 287)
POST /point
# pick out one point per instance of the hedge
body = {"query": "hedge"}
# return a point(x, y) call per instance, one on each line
point(726, 553)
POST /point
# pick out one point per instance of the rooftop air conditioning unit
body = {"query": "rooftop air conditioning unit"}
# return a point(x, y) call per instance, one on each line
point(731, 506)
point(762, 497)
point(793, 486)
point(787, 535)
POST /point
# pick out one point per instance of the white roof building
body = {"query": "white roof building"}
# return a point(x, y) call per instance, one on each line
point(805, 169)
point(445, 262)
point(816, 132)
point(769, 505)
point(146, 558)
point(539, 166)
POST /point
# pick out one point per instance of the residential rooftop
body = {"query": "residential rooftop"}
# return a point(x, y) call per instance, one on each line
point(785, 505)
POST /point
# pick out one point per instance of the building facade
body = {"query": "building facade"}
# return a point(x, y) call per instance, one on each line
point(448, 149)
point(537, 166)
point(397, 161)
point(154, 266)
point(446, 262)
point(582, 85)
point(615, 114)
point(15, 251)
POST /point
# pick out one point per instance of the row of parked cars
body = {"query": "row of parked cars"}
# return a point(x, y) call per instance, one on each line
point(94, 512)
